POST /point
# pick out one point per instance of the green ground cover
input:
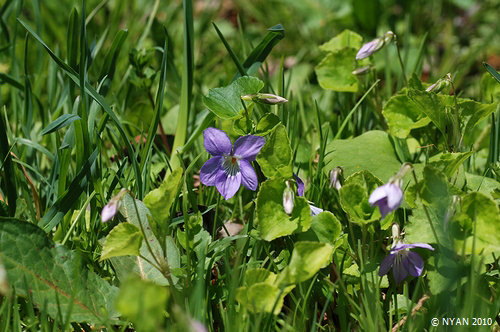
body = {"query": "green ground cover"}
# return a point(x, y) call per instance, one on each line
point(249, 165)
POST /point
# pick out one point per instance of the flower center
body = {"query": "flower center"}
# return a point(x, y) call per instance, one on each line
point(231, 165)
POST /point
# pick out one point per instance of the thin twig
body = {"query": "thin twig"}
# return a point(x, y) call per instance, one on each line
point(413, 312)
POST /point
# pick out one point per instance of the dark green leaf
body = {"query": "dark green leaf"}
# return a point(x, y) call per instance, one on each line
point(61, 122)
point(55, 275)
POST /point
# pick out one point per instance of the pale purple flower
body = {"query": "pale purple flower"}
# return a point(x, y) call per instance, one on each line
point(315, 210)
point(196, 326)
point(373, 46)
point(110, 209)
point(300, 191)
point(230, 167)
point(403, 261)
point(369, 48)
point(300, 185)
point(388, 197)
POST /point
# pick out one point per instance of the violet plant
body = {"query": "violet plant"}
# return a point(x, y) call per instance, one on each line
point(230, 167)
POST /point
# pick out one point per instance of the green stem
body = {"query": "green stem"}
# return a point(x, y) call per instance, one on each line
point(401, 62)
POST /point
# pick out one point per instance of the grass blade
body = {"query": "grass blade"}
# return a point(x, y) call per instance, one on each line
point(187, 84)
point(9, 179)
point(99, 99)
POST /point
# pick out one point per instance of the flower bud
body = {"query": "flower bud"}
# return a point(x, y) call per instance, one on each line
point(110, 209)
point(440, 84)
point(395, 234)
point(265, 98)
point(373, 46)
point(362, 70)
point(288, 199)
point(335, 175)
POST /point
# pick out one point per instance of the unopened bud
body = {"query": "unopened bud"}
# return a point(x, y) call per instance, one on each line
point(440, 84)
point(288, 199)
point(335, 175)
point(373, 46)
point(265, 98)
point(362, 70)
point(388, 36)
point(110, 209)
point(396, 234)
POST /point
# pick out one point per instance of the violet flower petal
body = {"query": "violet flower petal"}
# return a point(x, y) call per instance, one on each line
point(394, 195)
point(216, 142)
point(377, 195)
point(369, 48)
point(228, 185)
point(384, 208)
point(210, 169)
point(399, 270)
point(109, 211)
point(410, 246)
point(315, 210)
point(386, 264)
point(415, 264)
point(247, 147)
point(248, 176)
point(300, 185)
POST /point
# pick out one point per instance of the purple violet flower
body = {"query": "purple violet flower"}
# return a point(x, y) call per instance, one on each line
point(300, 185)
point(388, 197)
point(369, 48)
point(403, 261)
point(110, 209)
point(230, 167)
point(373, 46)
point(300, 191)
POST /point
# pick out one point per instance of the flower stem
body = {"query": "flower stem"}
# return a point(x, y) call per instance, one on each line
point(401, 61)
point(456, 124)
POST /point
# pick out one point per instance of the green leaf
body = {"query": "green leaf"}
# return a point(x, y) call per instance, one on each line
point(124, 239)
point(354, 196)
point(61, 122)
point(262, 297)
point(273, 221)
point(483, 211)
point(262, 50)
point(434, 193)
point(307, 259)
point(226, 102)
point(334, 72)
point(275, 157)
point(267, 124)
point(136, 265)
point(371, 151)
point(346, 38)
point(57, 278)
point(143, 303)
point(403, 115)
point(482, 184)
point(326, 227)
point(448, 163)
point(253, 276)
point(109, 65)
point(160, 200)
point(432, 106)
point(492, 71)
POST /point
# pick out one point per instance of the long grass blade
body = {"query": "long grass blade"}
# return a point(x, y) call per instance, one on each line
point(99, 99)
